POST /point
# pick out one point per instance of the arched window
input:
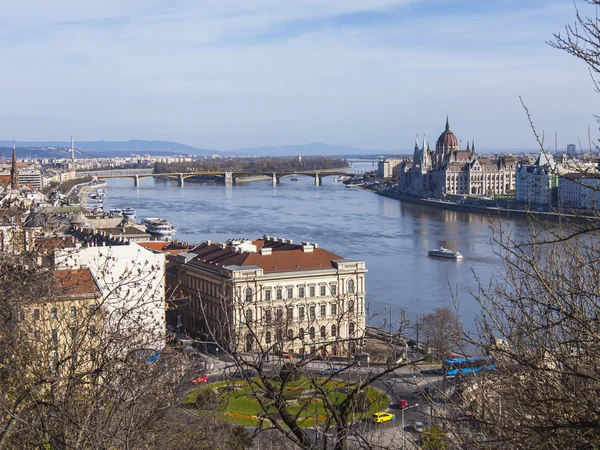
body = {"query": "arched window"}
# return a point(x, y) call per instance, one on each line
point(350, 286)
point(351, 329)
point(290, 334)
point(333, 331)
point(268, 338)
point(301, 334)
point(248, 316)
point(350, 305)
point(311, 332)
point(323, 332)
point(248, 295)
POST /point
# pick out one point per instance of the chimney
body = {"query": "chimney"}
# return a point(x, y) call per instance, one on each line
point(266, 251)
point(307, 247)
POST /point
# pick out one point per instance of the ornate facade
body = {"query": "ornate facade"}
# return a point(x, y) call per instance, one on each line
point(448, 170)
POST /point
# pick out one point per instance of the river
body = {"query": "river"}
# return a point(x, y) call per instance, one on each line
point(391, 236)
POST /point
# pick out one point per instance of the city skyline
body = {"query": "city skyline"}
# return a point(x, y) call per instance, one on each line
point(366, 74)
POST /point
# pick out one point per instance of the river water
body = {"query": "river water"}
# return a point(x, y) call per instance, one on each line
point(391, 236)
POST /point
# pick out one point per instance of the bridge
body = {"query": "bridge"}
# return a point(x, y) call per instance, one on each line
point(228, 177)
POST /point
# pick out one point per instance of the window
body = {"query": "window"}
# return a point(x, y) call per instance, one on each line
point(54, 314)
point(55, 337)
point(333, 289)
point(351, 329)
point(92, 330)
point(350, 286)
point(36, 314)
point(248, 316)
point(73, 334)
point(279, 294)
point(301, 292)
point(350, 305)
point(311, 332)
point(333, 331)
point(37, 335)
point(73, 311)
point(248, 295)
point(301, 334)
point(92, 309)
point(333, 309)
point(312, 312)
point(301, 312)
point(290, 334)
point(311, 291)
point(290, 293)
point(268, 316)
point(290, 313)
point(268, 294)
point(279, 335)
point(323, 332)
point(279, 316)
point(323, 310)
point(323, 291)
point(268, 338)
point(93, 355)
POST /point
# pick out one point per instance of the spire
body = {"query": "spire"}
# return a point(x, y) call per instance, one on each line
point(14, 174)
point(473, 149)
point(447, 123)
point(417, 142)
point(468, 148)
point(424, 144)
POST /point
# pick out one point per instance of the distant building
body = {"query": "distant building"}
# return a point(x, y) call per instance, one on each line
point(579, 191)
point(272, 295)
point(451, 171)
point(537, 183)
point(385, 168)
point(571, 150)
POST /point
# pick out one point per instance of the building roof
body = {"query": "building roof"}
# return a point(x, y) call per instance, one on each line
point(117, 231)
point(76, 283)
point(169, 247)
point(283, 257)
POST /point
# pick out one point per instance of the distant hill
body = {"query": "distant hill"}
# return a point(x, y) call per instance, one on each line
point(128, 147)
point(313, 149)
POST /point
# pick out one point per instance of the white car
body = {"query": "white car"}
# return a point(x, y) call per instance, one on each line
point(418, 427)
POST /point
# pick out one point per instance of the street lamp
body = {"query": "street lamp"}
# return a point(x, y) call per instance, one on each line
point(403, 430)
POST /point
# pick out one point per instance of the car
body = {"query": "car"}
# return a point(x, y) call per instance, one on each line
point(418, 427)
point(403, 404)
point(330, 371)
point(202, 378)
point(382, 416)
point(287, 356)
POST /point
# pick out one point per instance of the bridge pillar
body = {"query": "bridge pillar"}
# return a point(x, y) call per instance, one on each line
point(275, 180)
point(136, 181)
point(228, 178)
point(181, 180)
point(317, 180)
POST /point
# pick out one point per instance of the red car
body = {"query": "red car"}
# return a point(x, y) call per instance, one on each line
point(403, 404)
point(202, 378)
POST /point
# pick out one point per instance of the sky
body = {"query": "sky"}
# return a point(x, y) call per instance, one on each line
point(225, 74)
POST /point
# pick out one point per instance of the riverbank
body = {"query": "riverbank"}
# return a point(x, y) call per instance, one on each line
point(85, 190)
point(486, 210)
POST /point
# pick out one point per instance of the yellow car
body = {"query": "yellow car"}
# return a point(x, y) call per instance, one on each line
point(380, 417)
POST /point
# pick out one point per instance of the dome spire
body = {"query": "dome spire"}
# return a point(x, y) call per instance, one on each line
point(447, 123)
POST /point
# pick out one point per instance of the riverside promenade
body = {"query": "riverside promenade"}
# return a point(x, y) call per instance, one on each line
point(487, 210)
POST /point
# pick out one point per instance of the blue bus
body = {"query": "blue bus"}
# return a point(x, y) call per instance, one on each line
point(475, 364)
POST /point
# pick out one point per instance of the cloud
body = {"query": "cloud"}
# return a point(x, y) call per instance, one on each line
point(228, 73)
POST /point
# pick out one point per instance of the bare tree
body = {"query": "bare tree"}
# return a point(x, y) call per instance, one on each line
point(442, 332)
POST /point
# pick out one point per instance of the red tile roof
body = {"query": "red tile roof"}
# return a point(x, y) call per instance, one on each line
point(171, 248)
point(76, 283)
point(285, 257)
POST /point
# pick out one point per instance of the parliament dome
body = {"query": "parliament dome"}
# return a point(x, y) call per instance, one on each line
point(447, 140)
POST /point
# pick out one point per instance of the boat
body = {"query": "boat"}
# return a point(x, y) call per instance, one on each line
point(445, 253)
point(116, 211)
point(128, 213)
point(340, 178)
point(154, 225)
point(294, 179)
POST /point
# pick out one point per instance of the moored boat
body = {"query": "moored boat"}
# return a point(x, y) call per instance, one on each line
point(128, 213)
point(294, 179)
point(161, 227)
point(445, 253)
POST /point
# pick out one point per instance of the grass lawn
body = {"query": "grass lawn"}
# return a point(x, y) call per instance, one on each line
point(240, 400)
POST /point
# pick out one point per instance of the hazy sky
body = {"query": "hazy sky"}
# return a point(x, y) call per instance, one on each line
point(224, 74)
